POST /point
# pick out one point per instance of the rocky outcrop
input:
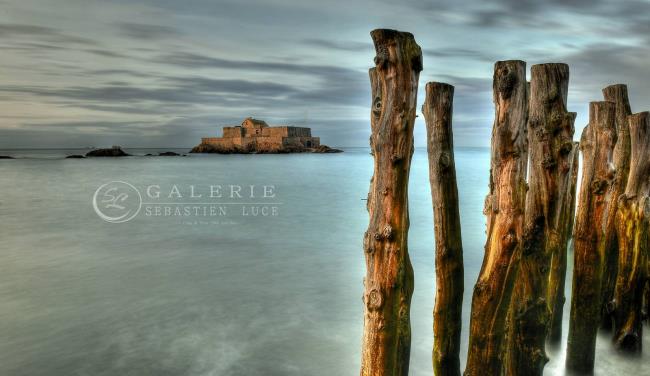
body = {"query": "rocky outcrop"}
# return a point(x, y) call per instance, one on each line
point(261, 149)
point(168, 154)
point(6, 157)
point(325, 149)
point(111, 152)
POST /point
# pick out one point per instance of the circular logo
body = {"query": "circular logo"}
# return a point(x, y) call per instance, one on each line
point(117, 202)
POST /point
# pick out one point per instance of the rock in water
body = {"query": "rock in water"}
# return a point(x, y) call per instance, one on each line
point(325, 149)
point(75, 156)
point(115, 151)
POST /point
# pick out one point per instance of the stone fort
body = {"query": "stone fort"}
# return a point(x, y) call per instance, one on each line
point(253, 133)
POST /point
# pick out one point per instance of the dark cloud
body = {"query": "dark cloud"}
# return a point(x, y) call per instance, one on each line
point(252, 88)
point(105, 53)
point(195, 60)
point(189, 68)
point(181, 90)
point(337, 85)
point(9, 31)
point(349, 46)
point(147, 31)
point(122, 72)
point(455, 53)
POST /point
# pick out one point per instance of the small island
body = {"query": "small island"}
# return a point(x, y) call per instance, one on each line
point(256, 136)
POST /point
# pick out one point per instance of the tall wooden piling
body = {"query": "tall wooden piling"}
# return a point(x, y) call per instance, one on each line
point(617, 94)
point(557, 277)
point(633, 226)
point(550, 137)
point(447, 318)
point(389, 277)
point(504, 209)
point(597, 144)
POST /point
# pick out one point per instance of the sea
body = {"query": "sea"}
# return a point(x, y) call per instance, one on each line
point(216, 264)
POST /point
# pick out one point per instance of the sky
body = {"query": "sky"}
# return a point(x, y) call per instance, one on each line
point(163, 73)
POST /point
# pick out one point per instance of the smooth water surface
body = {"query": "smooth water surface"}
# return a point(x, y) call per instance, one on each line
point(233, 295)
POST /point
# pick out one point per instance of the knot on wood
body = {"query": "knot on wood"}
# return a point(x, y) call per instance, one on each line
point(598, 187)
point(480, 288)
point(376, 106)
point(534, 122)
point(506, 82)
point(509, 240)
point(532, 240)
point(374, 300)
point(549, 162)
point(395, 158)
point(387, 233)
point(385, 191)
point(381, 59)
point(556, 120)
point(552, 95)
point(566, 148)
point(534, 308)
point(445, 160)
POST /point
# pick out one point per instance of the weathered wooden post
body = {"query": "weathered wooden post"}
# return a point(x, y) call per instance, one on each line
point(389, 277)
point(632, 228)
point(504, 209)
point(550, 137)
point(646, 296)
point(597, 144)
point(447, 319)
point(557, 277)
point(617, 94)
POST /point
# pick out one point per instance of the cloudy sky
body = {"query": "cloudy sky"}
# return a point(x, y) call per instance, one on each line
point(163, 73)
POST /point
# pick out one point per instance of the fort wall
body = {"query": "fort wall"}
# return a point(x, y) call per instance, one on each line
point(257, 134)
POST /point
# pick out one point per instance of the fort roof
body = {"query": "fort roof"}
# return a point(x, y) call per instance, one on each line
point(249, 122)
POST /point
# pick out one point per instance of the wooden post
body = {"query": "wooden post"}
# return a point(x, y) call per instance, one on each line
point(632, 227)
point(389, 276)
point(447, 318)
point(646, 296)
point(617, 94)
point(597, 144)
point(557, 278)
point(550, 137)
point(504, 209)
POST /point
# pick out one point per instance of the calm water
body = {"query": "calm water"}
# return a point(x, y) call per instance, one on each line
point(229, 295)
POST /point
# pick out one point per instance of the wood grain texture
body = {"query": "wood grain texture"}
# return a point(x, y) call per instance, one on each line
point(447, 313)
point(389, 275)
point(550, 141)
point(557, 277)
point(597, 145)
point(504, 209)
point(621, 159)
point(633, 226)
